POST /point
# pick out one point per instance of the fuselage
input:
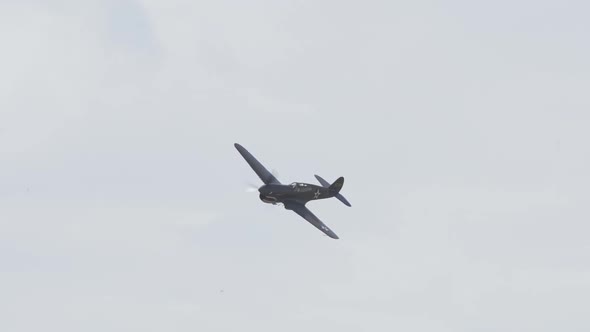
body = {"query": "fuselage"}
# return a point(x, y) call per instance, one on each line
point(294, 192)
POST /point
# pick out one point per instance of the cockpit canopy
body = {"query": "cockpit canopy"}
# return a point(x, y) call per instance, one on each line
point(298, 184)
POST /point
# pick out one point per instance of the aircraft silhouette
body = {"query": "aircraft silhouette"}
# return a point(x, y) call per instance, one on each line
point(295, 195)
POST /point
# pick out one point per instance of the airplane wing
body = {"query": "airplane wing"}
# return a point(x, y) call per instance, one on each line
point(304, 212)
point(262, 172)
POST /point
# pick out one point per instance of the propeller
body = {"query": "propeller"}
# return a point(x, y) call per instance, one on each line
point(254, 188)
point(251, 188)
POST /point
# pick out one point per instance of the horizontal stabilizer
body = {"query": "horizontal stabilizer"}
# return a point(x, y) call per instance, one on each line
point(336, 186)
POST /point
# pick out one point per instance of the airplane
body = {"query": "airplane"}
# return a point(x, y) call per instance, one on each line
point(295, 195)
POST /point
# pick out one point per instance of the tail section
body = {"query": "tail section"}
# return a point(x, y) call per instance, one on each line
point(337, 185)
point(334, 188)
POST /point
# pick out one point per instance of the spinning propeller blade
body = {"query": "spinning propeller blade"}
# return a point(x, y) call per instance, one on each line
point(251, 188)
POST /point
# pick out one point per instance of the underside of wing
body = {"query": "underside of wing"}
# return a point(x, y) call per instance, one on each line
point(304, 212)
point(262, 172)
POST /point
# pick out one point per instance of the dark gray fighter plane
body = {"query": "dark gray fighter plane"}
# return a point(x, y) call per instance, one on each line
point(295, 195)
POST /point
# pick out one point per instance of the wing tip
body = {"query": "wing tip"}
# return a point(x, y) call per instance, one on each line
point(332, 235)
point(242, 150)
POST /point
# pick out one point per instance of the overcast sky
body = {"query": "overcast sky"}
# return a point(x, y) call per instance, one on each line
point(461, 129)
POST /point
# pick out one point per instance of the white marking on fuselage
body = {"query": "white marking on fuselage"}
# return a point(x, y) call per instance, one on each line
point(317, 194)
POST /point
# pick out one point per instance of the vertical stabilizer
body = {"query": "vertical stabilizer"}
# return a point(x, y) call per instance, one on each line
point(334, 187)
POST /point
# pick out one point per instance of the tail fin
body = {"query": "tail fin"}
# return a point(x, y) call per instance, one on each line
point(337, 185)
point(335, 188)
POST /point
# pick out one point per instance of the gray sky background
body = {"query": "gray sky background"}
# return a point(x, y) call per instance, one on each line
point(461, 128)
